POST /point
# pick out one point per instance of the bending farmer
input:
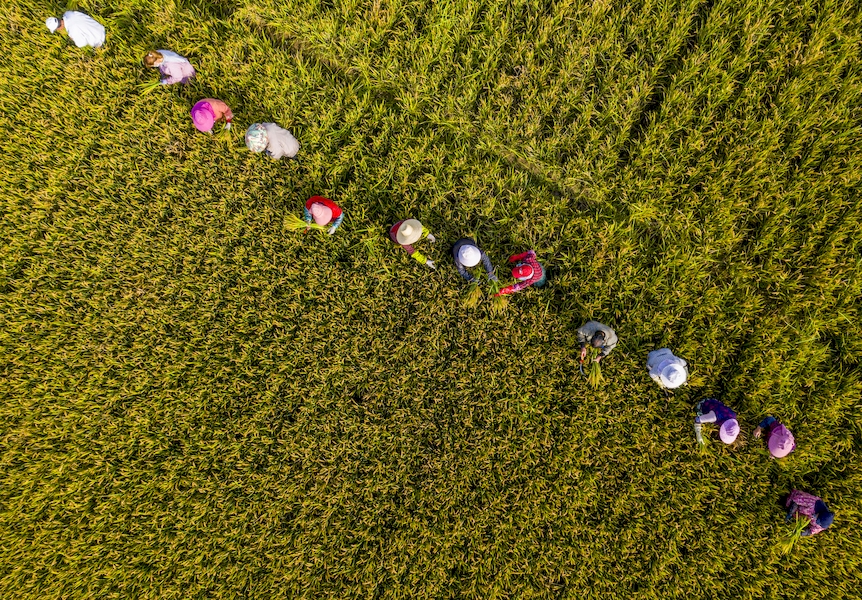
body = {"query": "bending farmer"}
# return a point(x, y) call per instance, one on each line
point(598, 336)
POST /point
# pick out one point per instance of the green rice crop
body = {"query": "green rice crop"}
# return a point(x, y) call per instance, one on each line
point(197, 402)
point(785, 544)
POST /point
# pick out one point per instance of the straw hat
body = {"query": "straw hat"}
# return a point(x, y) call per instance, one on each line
point(52, 23)
point(469, 256)
point(321, 213)
point(729, 430)
point(673, 375)
point(203, 116)
point(522, 272)
point(409, 231)
point(780, 442)
point(256, 138)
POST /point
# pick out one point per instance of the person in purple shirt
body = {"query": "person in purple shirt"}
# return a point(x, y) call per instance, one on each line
point(710, 410)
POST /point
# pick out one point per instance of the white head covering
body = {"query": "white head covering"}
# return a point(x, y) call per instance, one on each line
point(83, 29)
point(673, 375)
point(469, 255)
point(52, 23)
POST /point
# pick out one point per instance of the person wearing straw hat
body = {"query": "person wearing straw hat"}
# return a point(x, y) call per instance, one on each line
point(173, 67)
point(667, 370)
point(82, 29)
point(527, 271)
point(809, 505)
point(779, 440)
point(324, 212)
point(205, 113)
point(710, 410)
point(406, 233)
point(467, 255)
point(596, 335)
point(277, 142)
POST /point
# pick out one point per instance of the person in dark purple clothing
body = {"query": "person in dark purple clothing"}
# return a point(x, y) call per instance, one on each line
point(710, 410)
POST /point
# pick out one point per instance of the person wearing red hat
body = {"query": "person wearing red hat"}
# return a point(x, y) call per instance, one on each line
point(527, 271)
point(324, 212)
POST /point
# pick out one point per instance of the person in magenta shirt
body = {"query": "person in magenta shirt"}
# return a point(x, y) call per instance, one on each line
point(527, 271)
point(324, 212)
point(810, 506)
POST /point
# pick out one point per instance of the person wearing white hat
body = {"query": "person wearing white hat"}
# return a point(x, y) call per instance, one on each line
point(83, 29)
point(467, 255)
point(667, 370)
point(277, 141)
point(710, 410)
point(407, 232)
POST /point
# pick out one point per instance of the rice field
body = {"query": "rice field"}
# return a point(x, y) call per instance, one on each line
point(198, 401)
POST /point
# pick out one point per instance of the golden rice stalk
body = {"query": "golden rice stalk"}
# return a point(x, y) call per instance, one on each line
point(498, 303)
point(786, 543)
point(148, 87)
point(472, 296)
point(595, 376)
point(294, 223)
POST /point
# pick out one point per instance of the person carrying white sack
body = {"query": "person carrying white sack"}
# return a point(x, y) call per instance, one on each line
point(277, 142)
point(667, 370)
point(83, 29)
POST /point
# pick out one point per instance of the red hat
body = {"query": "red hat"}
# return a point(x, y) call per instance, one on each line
point(522, 272)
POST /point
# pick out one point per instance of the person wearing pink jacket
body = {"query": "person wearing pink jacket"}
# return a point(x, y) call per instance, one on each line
point(207, 112)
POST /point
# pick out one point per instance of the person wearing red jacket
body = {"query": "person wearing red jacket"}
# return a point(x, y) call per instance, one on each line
point(324, 212)
point(527, 271)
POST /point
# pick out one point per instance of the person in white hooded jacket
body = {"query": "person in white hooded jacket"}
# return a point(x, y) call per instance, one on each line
point(83, 29)
point(667, 370)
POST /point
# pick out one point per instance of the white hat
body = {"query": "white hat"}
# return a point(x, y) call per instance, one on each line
point(52, 23)
point(409, 231)
point(469, 256)
point(729, 430)
point(673, 375)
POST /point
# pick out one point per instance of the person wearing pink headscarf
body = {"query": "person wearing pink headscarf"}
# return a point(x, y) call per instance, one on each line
point(324, 212)
point(779, 440)
point(206, 112)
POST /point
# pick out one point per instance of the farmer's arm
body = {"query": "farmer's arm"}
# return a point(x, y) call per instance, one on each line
point(489, 268)
point(462, 271)
point(510, 289)
point(521, 256)
point(307, 216)
point(791, 511)
point(337, 222)
point(418, 256)
point(709, 417)
point(611, 344)
point(763, 425)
